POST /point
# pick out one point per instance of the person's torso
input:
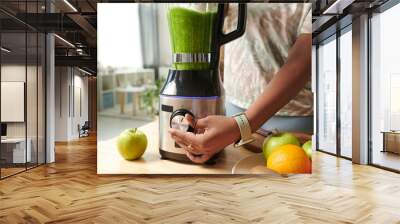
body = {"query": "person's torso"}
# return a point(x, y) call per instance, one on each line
point(251, 61)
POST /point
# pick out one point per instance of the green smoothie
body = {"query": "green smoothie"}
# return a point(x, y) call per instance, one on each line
point(190, 32)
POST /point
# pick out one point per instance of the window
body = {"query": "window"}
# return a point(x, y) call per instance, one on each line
point(22, 77)
point(346, 92)
point(327, 95)
point(119, 35)
point(385, 89)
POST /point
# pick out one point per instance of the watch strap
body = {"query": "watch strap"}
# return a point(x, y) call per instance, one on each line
point(244, 128)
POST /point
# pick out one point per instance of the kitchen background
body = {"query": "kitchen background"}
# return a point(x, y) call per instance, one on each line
point(354, 64)
point(132, 65)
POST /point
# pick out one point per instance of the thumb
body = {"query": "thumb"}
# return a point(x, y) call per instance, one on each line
point(190, 120)
point(202, 123)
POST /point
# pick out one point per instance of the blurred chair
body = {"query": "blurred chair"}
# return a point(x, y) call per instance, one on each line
point(121, 80)
point(148, 76)
point(134, 79)
point(84, 130)
point(106, 91)
point(107, 82)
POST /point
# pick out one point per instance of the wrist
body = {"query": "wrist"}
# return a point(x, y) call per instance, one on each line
point(235, 128)
point(244, 129)
point(251, 119)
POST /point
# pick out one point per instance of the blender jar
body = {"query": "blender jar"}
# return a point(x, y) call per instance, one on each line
point(191, 27)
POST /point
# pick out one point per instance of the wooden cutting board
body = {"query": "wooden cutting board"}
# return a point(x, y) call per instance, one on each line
point(110, 162)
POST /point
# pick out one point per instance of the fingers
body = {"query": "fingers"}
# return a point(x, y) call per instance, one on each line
point(187, 137)
point(202, 123)
point(187, 146)
point(193, 154)
point(181, 142)
point(198, 158)
point(193, 144)
point(190, 120)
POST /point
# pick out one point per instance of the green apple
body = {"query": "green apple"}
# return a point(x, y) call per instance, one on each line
point(307, 146)
point(131, 144)
point(277, 140)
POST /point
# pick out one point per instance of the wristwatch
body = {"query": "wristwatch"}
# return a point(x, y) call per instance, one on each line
point(245, 129)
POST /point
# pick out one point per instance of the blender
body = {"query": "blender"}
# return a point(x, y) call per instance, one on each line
point(193, 86)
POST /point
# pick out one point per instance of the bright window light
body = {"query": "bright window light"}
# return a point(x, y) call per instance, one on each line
point(118, 35)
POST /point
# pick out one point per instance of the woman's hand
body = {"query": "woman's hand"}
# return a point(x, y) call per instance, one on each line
point(212, 134)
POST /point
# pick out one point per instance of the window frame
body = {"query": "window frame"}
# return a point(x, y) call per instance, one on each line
point(380, 9)
point(333, 37)
point(31, 30)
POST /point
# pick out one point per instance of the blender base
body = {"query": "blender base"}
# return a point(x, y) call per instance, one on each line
point(182, 158)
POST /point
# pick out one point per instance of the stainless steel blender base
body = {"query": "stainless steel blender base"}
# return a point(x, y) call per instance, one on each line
point(192, 89)
point(193, 92)
point(199, 106)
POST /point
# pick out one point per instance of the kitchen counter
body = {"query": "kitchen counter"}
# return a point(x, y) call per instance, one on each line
point(109, 160)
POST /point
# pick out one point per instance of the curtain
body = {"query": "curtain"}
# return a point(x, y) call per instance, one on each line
point(148, 16)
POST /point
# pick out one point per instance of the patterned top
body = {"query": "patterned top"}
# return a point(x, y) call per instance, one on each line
point(251, 61)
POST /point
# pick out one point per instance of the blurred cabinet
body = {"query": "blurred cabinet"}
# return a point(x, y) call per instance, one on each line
point(391, 141)
point(14, 153)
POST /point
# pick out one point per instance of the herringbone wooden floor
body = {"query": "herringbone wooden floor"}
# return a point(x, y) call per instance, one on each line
point(69, 191)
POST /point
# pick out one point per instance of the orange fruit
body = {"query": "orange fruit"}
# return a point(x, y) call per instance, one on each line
point(288, 159)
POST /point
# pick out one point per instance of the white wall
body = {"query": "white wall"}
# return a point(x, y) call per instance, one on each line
point(12, 73)
point(80, 83)
point(62, 81)
point(34, 125)
point(68, 82)
point(13, 101)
